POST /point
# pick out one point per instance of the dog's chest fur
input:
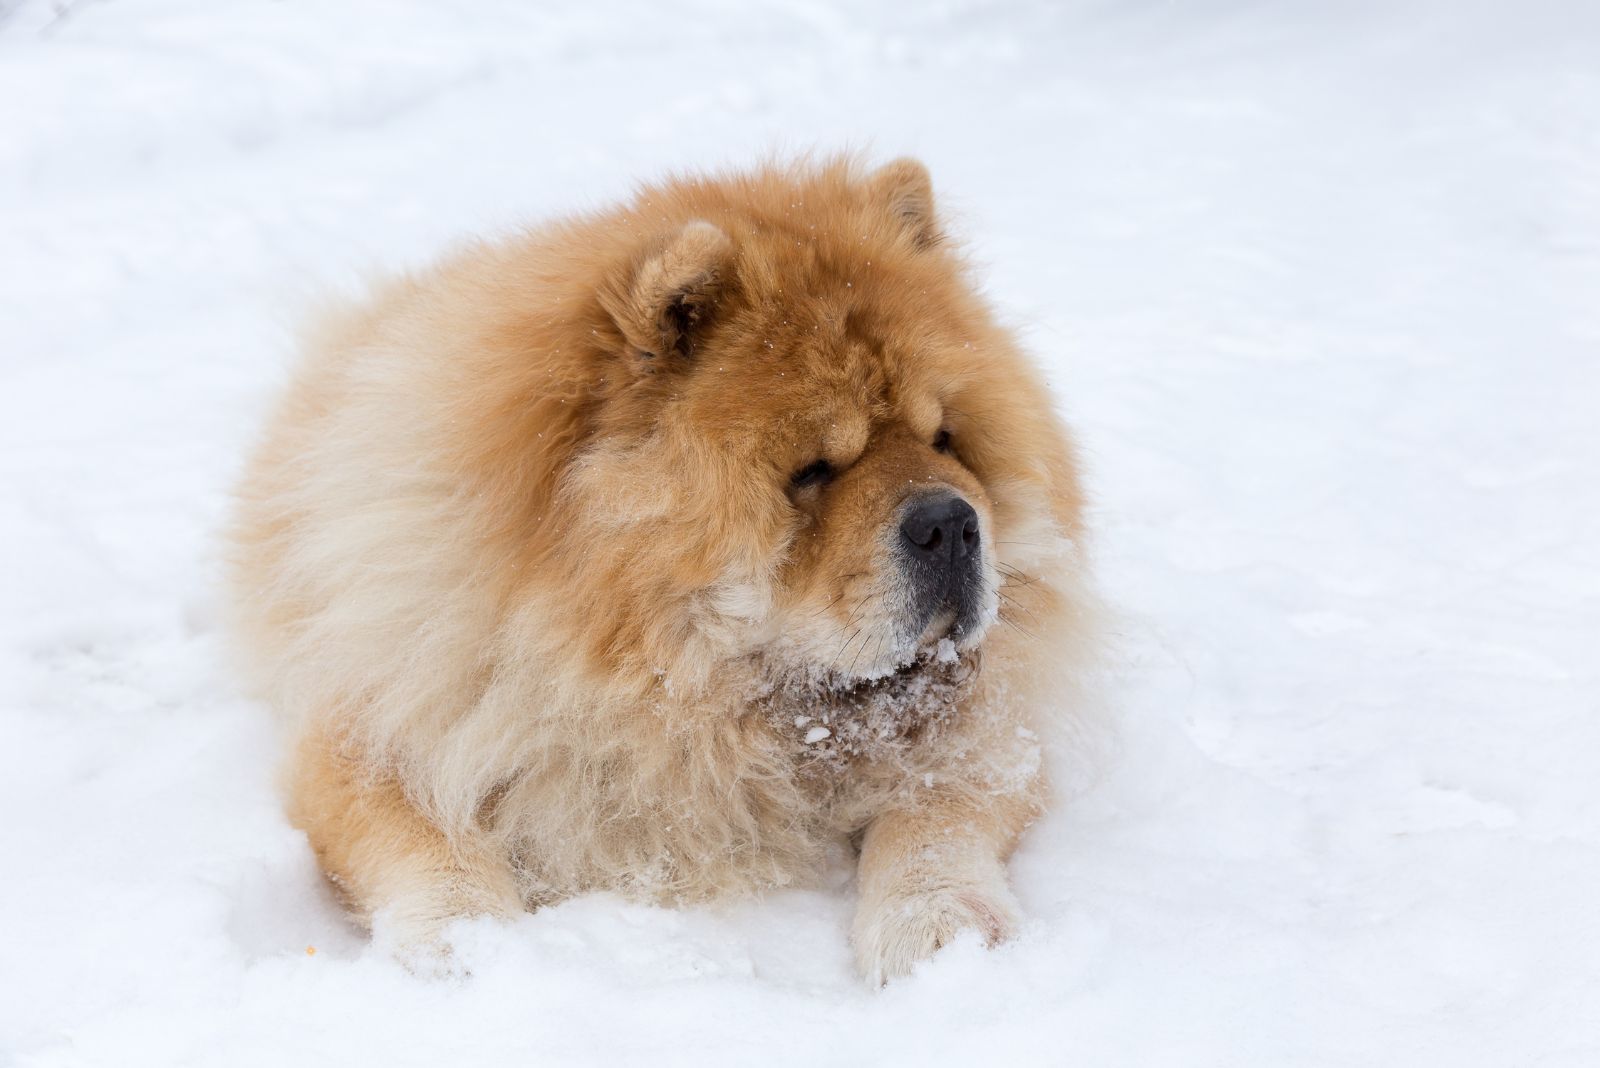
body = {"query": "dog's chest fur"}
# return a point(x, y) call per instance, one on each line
point(829, 730)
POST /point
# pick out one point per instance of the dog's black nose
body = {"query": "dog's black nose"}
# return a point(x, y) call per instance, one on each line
point(941, 530)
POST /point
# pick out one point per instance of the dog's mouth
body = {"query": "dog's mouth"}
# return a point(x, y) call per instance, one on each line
point(937, 666)
point(946, 647)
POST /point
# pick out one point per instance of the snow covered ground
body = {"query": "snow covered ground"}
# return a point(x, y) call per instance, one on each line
point(1319, 285)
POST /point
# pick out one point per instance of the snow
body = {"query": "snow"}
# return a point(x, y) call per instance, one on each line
point(1317, 286)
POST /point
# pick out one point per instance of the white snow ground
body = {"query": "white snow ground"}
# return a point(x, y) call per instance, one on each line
point(1318, 284)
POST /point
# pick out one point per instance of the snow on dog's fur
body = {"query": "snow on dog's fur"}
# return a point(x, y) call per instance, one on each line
point(581, 561)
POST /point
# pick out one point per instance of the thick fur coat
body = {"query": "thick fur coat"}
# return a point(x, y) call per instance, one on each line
point(580, 561)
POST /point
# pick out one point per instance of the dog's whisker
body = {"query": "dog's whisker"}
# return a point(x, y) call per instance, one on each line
point(863, 634)
point(866, 599)
point(1013, 603)
point(851, 672)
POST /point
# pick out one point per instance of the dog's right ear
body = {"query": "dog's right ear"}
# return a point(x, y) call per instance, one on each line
point(904, 190)
point(670, 297)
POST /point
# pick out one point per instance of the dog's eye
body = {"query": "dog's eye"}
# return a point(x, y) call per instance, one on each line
point(812, 474)
point(941, 441)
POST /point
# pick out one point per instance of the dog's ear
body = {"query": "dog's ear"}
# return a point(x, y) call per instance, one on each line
point(904, 189)
point(668, 299)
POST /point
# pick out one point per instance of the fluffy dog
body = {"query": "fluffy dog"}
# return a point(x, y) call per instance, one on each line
point(663, 550)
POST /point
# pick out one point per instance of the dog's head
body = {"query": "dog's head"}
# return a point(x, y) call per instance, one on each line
point(807, 442)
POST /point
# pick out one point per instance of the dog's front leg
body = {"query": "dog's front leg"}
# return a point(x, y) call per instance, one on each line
point(930, 870)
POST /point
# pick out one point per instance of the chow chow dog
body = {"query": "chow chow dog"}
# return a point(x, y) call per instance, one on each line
point(669, 550)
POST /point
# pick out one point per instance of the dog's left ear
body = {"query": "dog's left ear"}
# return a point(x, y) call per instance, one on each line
point(669, 299)
point(904, 189)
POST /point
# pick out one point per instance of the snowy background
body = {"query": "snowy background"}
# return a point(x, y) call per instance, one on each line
point(1319, 286)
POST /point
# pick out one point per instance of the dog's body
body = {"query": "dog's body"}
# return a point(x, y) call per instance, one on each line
point(661, 551)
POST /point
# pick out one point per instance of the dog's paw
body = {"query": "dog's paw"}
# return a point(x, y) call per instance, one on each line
point(416, 932)
point(417, 940)
point(895, 934)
